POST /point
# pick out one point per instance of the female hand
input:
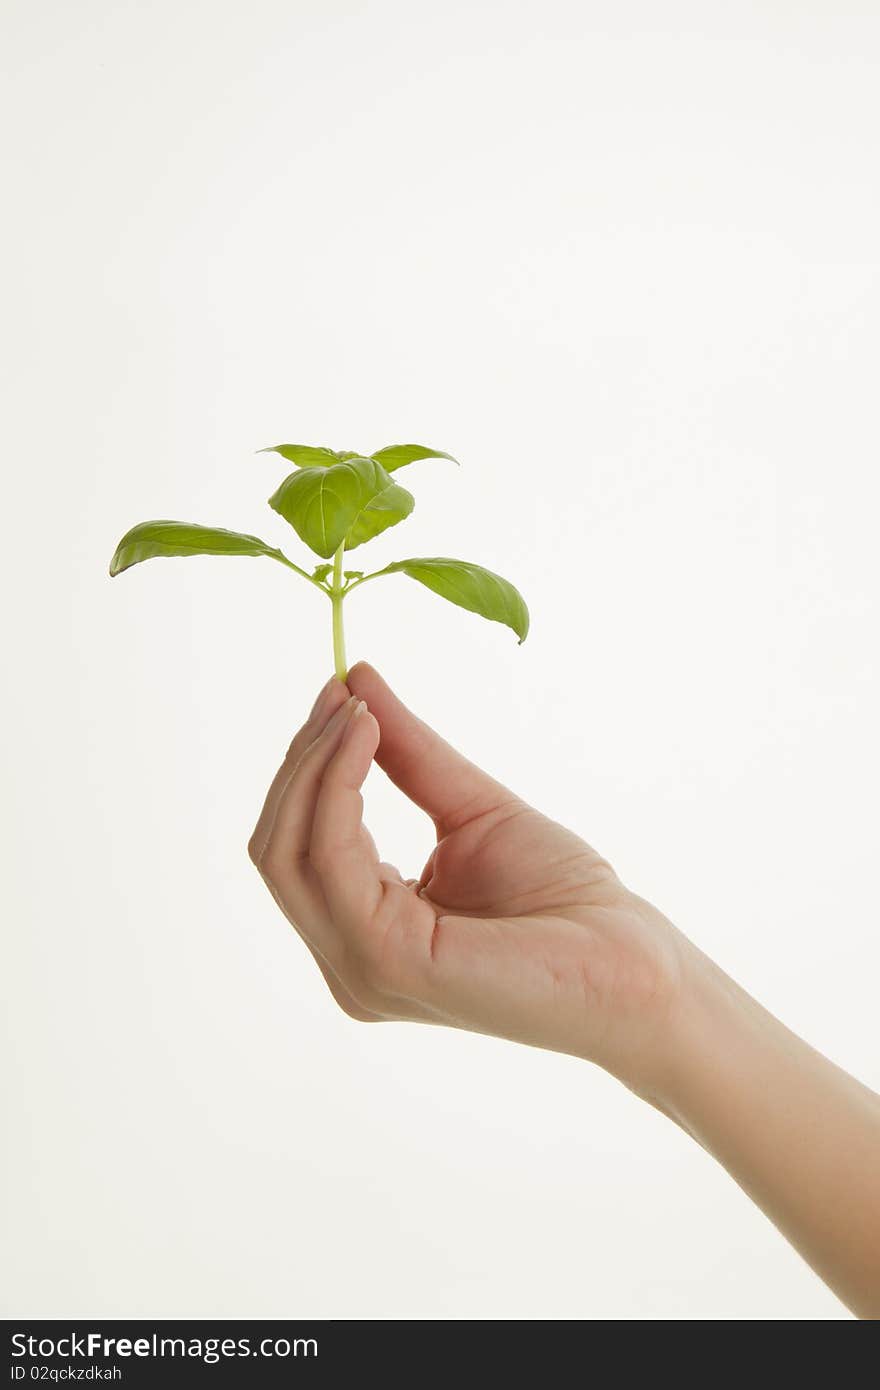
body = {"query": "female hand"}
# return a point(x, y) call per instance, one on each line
point(515, 926)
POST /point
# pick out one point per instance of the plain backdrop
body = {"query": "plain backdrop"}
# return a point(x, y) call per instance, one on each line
point(623, 262)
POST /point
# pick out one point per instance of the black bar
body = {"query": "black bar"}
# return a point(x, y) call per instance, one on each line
point(141, 1352)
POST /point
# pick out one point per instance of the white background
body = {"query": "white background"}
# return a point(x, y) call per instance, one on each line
point(623, 262)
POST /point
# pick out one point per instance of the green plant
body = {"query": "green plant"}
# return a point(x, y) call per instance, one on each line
point(336, 502)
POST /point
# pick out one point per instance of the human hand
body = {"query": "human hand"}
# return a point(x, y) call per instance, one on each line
point(515, 926)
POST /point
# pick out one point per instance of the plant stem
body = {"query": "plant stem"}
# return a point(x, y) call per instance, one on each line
point(356, 583)
point(282, 559)
point(338, 629)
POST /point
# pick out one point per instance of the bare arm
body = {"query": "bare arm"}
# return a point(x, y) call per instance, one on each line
point(517, 927)
point(799, 1135)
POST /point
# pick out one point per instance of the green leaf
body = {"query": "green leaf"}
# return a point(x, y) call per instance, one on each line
point(351, 501)
point(471, 587)
point(320, 572)
point(305, 455)
point(150, 539)
point(396, 455)
point(387, 508)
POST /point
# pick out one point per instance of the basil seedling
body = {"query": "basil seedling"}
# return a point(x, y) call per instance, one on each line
point(336, 502)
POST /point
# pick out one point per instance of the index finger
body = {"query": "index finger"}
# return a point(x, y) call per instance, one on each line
point(330, 697)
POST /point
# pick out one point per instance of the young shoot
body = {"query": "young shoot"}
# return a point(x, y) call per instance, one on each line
point(337, 502)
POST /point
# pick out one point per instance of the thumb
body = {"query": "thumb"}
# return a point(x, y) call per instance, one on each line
point(425, 767)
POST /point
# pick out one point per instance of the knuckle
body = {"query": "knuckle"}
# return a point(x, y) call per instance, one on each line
point(354, 998)
point(297, 749)
point(353, 1010)
point(294, 746)
point(270, 862)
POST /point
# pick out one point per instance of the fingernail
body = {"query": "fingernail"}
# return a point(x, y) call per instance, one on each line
point(343, 714)
point(359, 709)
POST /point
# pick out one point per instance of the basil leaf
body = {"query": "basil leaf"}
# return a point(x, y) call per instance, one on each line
point(386, 509)
point(471, 587)
point(317, 456)
point(396, 455)
point(151, 539)
point(305, 455)
point(349, 502)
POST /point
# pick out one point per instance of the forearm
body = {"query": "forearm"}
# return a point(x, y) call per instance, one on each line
point(799, 1135)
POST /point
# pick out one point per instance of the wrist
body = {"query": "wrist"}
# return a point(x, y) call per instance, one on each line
point(716, 1033)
